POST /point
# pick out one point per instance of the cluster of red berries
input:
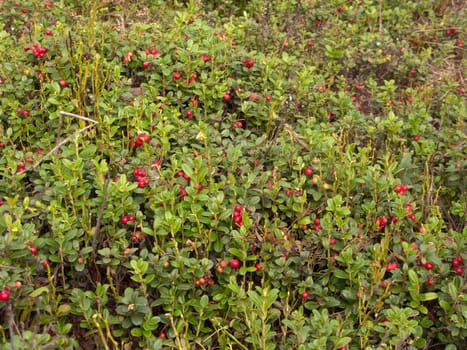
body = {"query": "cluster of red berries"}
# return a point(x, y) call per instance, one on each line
point(20, 167)
point(205, 58)
point(317, 224)
point(237, 215)
point(401, 189)
point(152, 52)
point(37, 50)
point(456, 263)
point(141, 139)
point(194, 102)
point(182, 174)
point(141, 177)
point(234, 264)
point(191, 79)
point(410, 215)
point(127, 218)
point(202, 280)
point(128, 57)
point(23, 112)
point(451, 31)
point(381, 222)
point(182, 191)
point(248, 63)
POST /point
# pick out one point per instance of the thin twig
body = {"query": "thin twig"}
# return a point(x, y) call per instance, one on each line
point(59, 129)
point(297, 137)
point(61, 143)
point(11, 325)
point(101, 212)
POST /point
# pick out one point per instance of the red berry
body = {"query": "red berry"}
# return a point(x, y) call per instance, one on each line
point(258, 267)
point(48, 32)
point(223, 263)
point(429, 266)
point(392, 266)
point(309, 172)
point(227, 97)
point(189, 114)
point(235, 263)
point(332, 241)
point(459, 271)
point(430, 281)
point(144, 138)
point(124, 219)
point(288, 192)
point(62, 83)
point(305, 295)
point(4, 295)
point(33, 250)
point(46, 263)
point(176, 76)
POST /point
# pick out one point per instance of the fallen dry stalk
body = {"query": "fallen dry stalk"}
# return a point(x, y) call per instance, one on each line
point(61, 143)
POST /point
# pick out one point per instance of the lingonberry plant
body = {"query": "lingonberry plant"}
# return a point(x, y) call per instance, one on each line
point(232, 175)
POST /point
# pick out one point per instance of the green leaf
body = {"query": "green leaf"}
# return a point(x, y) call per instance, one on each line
point(239, 253)
point(136, 332)
point(341, 274)
point(39, 291)
point(204, 301)
point(445, 305)
point(452, 290)
point(187, 170)
point(428, 296)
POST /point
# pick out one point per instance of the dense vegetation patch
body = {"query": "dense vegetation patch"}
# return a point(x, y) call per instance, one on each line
point(232, 174)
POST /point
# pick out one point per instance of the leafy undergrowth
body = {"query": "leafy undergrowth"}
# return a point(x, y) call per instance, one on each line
point(233, 175)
